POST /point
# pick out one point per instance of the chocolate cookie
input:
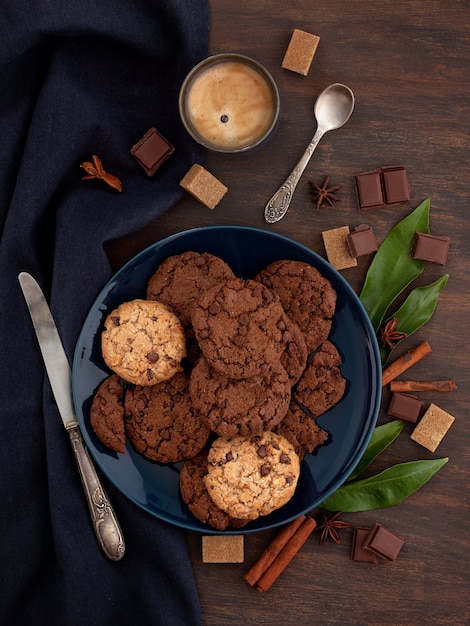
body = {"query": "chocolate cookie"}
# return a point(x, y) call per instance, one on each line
point(143, 342)
point(239, 326)
point(107, 414)
point(294, 357)
point(195, 495)
point(251, 476)
point(322, 384)
point(301, 430)
point(181, 279)
point(308, 297)
point(161, 423)
point(247, 406)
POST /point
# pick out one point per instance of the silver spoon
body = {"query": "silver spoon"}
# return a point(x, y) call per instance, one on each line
point(333, 108)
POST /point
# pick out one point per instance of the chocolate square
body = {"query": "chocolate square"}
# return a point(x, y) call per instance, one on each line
point(357, 552)
point(383, 542)
point(152, 151)
point(431, 248)
point(395, 182)
point(369, 191)
point(382, 187)
point(405, 407)
point(361, 241)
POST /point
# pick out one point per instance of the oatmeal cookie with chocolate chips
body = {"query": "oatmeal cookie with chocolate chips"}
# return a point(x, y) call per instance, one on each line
point(247, 406)
point(322, 385)
point(239, 326)
point(307, 296)
point(195, 495)
point(251, 476)
point(107, 414)
point(180, 280)
point(143, 342)
point(161, 423)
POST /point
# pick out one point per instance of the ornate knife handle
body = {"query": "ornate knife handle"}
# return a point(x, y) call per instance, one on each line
point(280, 201)
point(106, 526)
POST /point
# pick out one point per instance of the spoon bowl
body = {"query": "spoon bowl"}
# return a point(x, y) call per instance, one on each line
point(333, 108)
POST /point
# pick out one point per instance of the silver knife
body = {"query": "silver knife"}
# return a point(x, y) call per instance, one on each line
point(105, 523)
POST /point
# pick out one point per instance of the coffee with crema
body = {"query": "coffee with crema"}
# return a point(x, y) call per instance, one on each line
point(231, 105)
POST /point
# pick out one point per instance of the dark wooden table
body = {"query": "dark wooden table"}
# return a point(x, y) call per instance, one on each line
point(408, 64)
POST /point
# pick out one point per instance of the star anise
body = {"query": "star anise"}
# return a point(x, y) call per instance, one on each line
point(322, 193)
point(96, 170)
point(331, 526)
point(388, 336)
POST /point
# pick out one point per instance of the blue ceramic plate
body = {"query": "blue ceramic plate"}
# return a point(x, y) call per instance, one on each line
point(154, 486)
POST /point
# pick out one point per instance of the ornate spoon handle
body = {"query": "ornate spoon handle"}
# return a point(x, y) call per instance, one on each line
point(279, 203)
point(105, 523)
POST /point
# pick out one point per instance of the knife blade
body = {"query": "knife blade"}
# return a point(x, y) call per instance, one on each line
point(106, 526)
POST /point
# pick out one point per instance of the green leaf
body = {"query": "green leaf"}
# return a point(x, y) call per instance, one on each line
point(381, 438)
point(416, 310)
point(392, 268)
point(388, 488)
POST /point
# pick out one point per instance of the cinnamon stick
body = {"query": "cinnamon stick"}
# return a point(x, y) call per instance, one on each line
point(286, 555)
point(402, 386)
point(272, 551)
point(405, 362)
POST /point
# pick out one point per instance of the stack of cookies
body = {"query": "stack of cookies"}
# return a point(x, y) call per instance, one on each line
point(228, 376)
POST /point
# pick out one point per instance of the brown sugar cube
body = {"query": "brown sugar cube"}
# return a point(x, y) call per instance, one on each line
point(336, 248)
point(432, 427)
point(300, 52)
point(203, 186)
point(222, 549)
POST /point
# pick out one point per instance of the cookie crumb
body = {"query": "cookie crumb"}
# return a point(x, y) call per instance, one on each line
point(336, 248)
point(203, 186)
point(223, 549)
point(300, 52)
point(432, 427)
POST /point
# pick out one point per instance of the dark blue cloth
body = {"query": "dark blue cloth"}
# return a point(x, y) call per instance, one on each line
point(76, 79)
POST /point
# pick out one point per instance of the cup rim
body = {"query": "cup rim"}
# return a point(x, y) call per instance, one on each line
point(225, 57)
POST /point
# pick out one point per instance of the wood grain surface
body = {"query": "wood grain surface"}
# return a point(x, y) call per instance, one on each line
point(408, 64)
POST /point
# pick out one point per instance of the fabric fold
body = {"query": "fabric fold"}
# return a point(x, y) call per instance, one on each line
point(80, 79)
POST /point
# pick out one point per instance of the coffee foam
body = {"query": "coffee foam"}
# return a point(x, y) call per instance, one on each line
point(240, 93)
